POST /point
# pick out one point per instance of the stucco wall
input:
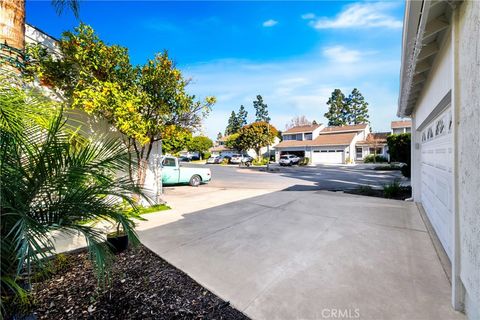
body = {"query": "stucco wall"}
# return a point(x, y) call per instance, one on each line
point(469, 152)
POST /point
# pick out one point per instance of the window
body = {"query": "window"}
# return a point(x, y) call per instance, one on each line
point(331, 150)
point(299, 137)
point(359, 153)
point(169, 162)
point(316, 150)
point(308, 136)
point(376, 151)
point(408, 130)
point(323, 150)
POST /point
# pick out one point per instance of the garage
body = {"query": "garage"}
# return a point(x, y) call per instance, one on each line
point(437, 177)
point(298, 153)
point(331, 155)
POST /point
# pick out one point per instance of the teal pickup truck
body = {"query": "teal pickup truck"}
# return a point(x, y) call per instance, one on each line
point(172, 173)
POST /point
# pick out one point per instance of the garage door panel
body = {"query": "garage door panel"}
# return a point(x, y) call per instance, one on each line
point(320, 156)
point(436, 178)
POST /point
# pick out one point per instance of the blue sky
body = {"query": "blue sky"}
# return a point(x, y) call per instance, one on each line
point(292, 53)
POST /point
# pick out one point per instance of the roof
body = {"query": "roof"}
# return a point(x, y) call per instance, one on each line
point(299, 129)
point(374, 139)
point(355, 127)
point(425, 25)
point(322, 140)
point(401, 124)
point(219, 149)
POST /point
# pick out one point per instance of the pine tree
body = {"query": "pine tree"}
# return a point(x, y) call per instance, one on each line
point(261, 110)
point(338, 112)
point(242, 116)
point(358, 108)
point(232, 124)
point(219, 136)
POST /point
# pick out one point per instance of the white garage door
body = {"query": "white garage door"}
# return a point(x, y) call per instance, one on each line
point(437, 177)
point(320, 156)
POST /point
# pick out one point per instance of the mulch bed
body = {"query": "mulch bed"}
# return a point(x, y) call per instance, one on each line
point(403, 193)
point(142, 286)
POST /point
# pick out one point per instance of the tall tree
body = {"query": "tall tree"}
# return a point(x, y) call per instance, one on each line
point(358, 108)
point(242, 116)
point(175, 139)
point(219, 136)
point(261, 110)
point(12, 26)
point(232, 125)
point(298, 121)
point(338, 113)
point(255, 136)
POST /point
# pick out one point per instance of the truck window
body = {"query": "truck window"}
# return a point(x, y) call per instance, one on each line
point(169, 162)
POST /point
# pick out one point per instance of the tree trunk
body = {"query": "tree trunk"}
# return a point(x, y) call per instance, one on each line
point(12, 28)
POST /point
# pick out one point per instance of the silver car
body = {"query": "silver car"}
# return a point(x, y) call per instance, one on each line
point(240, 158)
point(288, 160)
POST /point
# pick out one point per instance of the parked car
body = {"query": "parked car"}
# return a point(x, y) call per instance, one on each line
point(172, 173)
point(185, 159)
point(288, 160)
point(240, 158)
point(213, 159)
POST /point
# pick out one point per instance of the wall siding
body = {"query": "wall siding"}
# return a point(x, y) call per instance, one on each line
point(469, 153)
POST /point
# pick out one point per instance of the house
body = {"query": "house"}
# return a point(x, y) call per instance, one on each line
point(402, 126)
point(220, 149)
point(440, 92)
point(340, 144)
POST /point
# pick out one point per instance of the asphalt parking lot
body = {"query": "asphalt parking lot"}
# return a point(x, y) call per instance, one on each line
point(327, 177)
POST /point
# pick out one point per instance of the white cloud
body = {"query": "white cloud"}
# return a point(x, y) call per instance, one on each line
point(299, 86)
point(341, 55)
point(308, 16)
point(359, 15)
point(269, 23)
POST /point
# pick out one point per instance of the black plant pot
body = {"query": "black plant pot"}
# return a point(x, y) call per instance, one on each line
point(117, 242)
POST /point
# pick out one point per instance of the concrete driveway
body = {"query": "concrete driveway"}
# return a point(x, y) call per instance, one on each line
point(303, 254)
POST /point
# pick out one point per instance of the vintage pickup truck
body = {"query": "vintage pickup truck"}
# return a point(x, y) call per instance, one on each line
point(172, 173)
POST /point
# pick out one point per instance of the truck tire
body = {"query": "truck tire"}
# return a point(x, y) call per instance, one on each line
point(195, 180)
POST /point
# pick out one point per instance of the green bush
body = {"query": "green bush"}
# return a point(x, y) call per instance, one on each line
point(206, 155)
point(224, 161)
point(406, 170)
point(374, 159)
point(260, 162)
point(399, 147)
point(392, 189)
point(304, 161)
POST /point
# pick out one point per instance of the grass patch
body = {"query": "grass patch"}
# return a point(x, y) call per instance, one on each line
point(154, 208)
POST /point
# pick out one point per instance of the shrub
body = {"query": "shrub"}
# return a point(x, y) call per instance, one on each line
point(260, 162)
point(224, 161)
point(304, 161)
point(206, 155)
point(399, 147)
point(374, 159)
point(392, 189)
point(406, 170)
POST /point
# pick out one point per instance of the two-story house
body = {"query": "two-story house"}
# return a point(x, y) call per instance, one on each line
point(401, 126)
point(340, 144)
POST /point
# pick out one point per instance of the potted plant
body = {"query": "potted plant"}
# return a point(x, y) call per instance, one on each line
point(117, 240)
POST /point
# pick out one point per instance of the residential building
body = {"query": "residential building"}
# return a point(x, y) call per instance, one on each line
point(439, 91)
point(402, 126)
point(341, 144)
point(221, 149)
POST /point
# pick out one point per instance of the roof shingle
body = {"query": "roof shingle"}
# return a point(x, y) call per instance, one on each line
point(401, 124)
point(299, 129)
point(322, 140)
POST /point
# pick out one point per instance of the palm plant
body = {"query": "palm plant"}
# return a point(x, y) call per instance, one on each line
point(52, 179)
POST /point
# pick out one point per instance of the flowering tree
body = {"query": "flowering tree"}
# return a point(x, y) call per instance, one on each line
point(143, 103)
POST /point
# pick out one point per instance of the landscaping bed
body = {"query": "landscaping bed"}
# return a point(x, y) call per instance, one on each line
point(399, 193)
point(142, 286)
